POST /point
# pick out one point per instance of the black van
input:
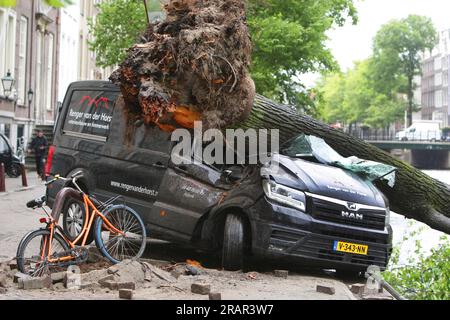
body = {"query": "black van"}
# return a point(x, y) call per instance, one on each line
point(8, 158)
point(306, 211)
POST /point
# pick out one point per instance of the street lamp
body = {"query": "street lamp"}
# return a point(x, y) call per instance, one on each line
point(7, 83)
point(30, 96)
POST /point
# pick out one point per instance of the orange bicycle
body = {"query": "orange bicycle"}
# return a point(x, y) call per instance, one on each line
point(119, 233)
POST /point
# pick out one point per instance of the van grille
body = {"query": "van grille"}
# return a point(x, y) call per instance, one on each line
point(330, 211)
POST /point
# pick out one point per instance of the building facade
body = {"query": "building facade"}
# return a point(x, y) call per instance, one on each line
point(29, 34)
point(435, 79)
point(79, 62)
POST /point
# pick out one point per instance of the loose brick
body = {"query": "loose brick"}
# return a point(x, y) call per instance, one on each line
point(327, 289)
point(126, 294)
point(104, 281)
point(111, 284)
point(357, 288)
point(58, 277)
point(12, 264)
point(281, 273)
point(126, 285)
point(215, 296)
point(35, 283)
point(200, 288)
point(20, 275)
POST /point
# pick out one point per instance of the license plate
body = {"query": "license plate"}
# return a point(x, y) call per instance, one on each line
point(351, 248)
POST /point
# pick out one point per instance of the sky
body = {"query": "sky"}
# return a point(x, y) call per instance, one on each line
point(354, 42)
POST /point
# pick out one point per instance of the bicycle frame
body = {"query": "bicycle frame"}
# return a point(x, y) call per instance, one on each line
point(88, 221)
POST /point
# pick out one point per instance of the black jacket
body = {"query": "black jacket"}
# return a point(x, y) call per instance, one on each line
point(36, 145)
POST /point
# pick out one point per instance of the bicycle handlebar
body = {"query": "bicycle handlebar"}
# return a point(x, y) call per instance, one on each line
point(73, 178)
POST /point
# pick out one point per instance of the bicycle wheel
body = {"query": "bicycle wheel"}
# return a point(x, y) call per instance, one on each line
point(32, 252)
point(117, 247)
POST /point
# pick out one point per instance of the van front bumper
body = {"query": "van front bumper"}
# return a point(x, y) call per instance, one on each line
point(286, 233)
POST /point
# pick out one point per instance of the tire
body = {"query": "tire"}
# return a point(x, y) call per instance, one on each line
point(124, 219)
point(14, 171)
point(233, 243)
point(74, 214)
point(25, 244)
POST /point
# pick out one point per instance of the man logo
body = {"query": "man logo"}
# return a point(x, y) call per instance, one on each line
point(352, 206)
point(351, 215)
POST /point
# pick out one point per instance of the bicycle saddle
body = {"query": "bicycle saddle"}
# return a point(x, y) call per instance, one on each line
point(37, 203)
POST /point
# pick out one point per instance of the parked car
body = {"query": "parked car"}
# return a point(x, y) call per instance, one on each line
point(306, 212)
point(8, 158)
point(421, 131)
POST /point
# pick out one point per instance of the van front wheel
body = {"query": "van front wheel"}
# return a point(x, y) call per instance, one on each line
point(233, 243)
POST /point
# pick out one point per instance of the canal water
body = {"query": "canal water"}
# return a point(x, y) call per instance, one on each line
point(416, 231)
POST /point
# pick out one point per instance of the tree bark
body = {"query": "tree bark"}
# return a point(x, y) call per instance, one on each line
point(415, 194)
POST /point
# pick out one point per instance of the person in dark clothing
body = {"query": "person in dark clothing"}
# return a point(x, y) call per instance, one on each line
point(39, 146)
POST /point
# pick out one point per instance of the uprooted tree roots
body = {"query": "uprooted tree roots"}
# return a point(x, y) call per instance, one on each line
point(197, 58)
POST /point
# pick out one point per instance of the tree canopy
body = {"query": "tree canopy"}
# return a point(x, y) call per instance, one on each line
point(397, 56)
point(351, 97)
point(116, 28)
point(372, 92)
point(288, 36)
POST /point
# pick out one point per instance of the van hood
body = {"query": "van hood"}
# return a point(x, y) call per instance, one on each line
point(323, 180)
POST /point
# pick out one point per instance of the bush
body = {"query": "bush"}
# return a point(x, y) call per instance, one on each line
point(427, 279)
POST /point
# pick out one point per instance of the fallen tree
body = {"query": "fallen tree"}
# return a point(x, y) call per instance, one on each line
point(194, 66)
point(415, 194)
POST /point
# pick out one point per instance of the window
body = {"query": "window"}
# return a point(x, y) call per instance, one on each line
point(437, 63)
point(38, 92)
point(438, 98)
point(438, 79)
point(49, 73)
point(445, 79)
point(8, 41)
point(22, 75)
point(445, 97)
point(90, 113)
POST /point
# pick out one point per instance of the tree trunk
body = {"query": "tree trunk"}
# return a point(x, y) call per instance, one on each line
point(410, 102)
point(415, 194)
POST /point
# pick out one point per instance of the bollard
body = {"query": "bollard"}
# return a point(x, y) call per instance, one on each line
point(23, 172)
point(2, 178)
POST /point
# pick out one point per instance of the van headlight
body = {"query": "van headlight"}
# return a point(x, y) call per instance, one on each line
point(285, 195)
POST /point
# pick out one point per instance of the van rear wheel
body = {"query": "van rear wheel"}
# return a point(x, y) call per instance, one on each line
point(73, 220)
point(233, 243)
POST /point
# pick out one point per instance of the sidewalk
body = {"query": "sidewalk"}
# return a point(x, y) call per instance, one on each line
point(15, 184)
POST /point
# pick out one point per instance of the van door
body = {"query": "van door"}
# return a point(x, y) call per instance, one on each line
point(187, 192)
point(135, 160)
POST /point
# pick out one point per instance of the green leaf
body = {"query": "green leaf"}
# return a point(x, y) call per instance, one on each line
point(7, 3)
